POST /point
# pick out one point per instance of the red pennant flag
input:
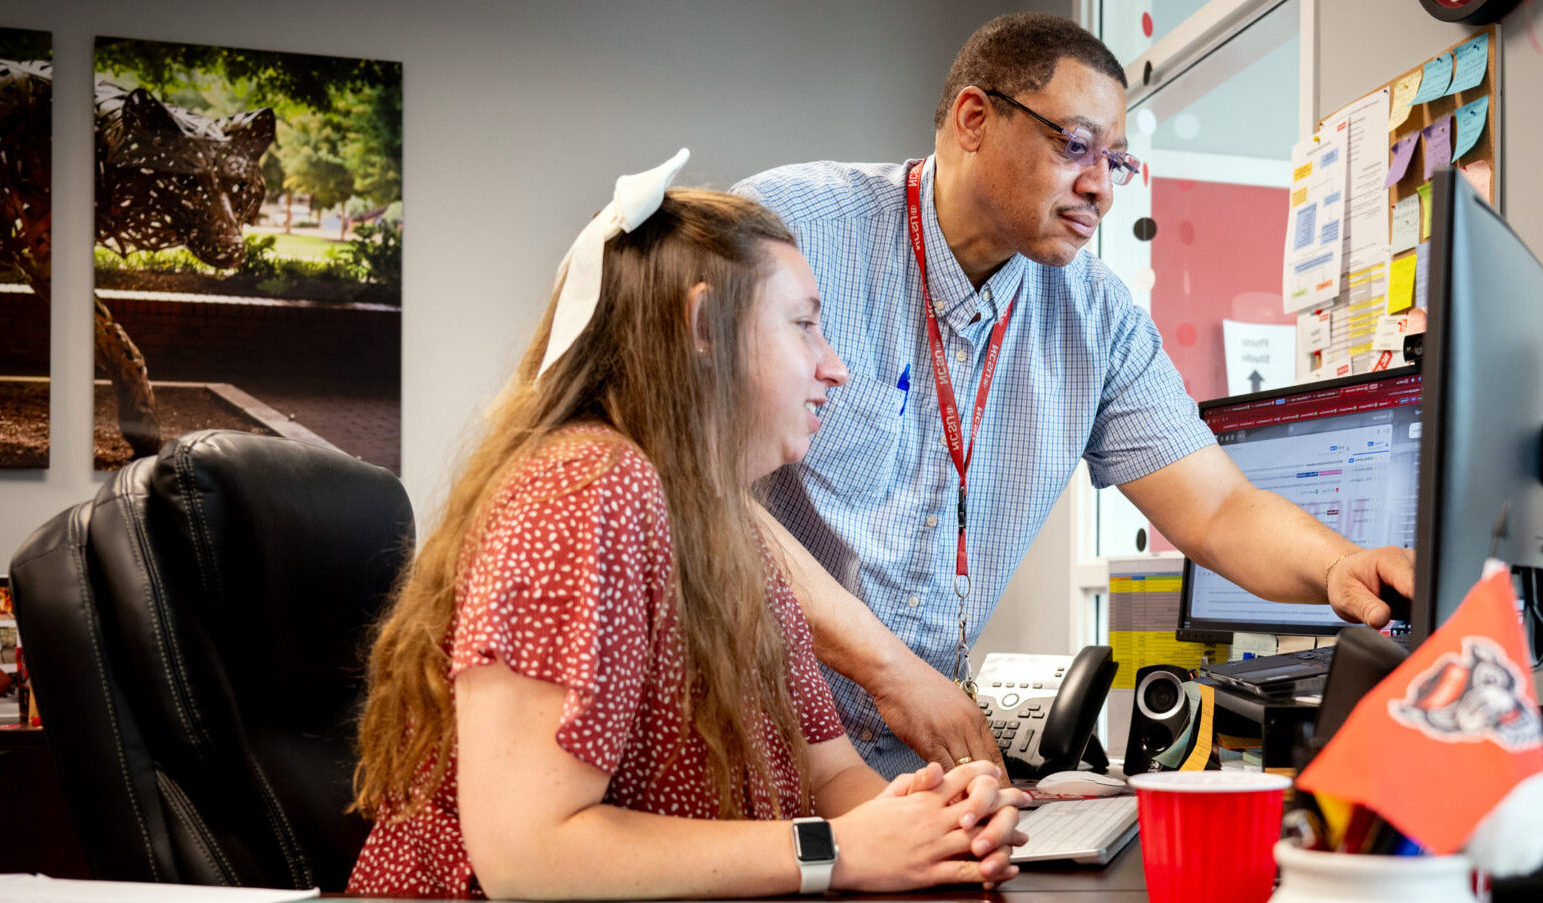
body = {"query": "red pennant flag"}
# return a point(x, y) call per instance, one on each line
point(1436, 746)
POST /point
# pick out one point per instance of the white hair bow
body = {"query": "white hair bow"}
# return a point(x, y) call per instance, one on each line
point(637, 197)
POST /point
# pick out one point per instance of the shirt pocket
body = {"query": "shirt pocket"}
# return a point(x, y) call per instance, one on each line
point(859, 439)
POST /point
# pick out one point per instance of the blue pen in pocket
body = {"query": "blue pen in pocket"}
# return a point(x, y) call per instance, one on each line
point(904, 385)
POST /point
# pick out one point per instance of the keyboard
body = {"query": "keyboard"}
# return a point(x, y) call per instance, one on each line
point(1283, 674)
point(1090, 832)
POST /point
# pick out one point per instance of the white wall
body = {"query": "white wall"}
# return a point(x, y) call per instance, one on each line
point(519, 115)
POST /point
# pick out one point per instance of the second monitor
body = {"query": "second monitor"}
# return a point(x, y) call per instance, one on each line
point(1346, 451)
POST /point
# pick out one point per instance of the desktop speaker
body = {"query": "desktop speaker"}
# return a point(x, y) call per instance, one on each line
point(1161, 721)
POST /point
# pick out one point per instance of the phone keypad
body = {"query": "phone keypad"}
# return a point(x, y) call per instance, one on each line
point(1016, 725)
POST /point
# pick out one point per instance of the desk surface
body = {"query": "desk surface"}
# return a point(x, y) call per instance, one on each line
point(1120, 882)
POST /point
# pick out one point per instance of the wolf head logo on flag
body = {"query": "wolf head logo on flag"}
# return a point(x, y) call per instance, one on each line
point(1471, 697)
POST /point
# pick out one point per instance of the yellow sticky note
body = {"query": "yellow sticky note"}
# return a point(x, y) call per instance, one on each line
point(1425, 213)
point(1403, 94)
point(1401, 284)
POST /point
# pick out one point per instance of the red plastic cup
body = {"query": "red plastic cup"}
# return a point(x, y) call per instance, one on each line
point(1208, 836)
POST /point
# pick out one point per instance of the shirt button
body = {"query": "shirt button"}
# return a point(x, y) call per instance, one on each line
point(867, 736)
point(960, 355)
point(937, 306)
point(913, 601)
point(932, 520)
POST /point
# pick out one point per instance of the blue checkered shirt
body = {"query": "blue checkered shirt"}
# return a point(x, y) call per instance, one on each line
point(1082, 375)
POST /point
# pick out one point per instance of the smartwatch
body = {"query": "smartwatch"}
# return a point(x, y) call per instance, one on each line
point(815, 847)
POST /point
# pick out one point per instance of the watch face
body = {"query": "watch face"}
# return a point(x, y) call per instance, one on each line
point(815, 842)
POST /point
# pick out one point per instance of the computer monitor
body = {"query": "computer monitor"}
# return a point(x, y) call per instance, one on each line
point(1483, 367)
point(1346, 451)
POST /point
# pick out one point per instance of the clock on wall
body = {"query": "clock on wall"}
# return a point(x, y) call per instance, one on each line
point(1471, 12)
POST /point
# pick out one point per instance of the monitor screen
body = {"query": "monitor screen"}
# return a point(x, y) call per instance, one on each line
point(1346, 451)
point(1483, 366)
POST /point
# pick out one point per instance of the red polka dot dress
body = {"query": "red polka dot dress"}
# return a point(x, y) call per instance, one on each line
point(569, 584)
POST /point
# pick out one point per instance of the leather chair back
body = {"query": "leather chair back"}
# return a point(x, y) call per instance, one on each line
point(196, 636)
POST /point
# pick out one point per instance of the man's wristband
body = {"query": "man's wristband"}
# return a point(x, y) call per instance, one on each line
point(814, 845)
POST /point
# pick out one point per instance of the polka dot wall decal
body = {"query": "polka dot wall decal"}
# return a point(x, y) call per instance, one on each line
point(1145, 279)
point(1187, 232)
point(1145, 228)
point(1146, 24)
point(1186, 125)
point(1146, 174)
point(1146, 121)
point(1188, 334)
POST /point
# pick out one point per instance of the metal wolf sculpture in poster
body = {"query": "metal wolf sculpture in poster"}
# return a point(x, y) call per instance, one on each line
point(165, 177)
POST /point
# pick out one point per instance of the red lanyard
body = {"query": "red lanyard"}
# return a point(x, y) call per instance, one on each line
point(946, 403)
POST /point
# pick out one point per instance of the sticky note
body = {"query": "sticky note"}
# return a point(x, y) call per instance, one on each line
point(1438, 145)
point(1434, 79)
point(1480, 176)
point(1469, 62)
point(1403, 152)
point(1470, 125)
point(1405, 233)
point(1401, 284)
point(1425, 213)
point(1404, 91)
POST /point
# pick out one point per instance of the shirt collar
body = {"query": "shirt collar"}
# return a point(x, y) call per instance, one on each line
point(946, 279)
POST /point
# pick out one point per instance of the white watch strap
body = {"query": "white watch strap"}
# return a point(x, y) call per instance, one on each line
point(814, 877)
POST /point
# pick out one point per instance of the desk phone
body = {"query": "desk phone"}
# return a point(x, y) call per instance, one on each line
point(1042, 708)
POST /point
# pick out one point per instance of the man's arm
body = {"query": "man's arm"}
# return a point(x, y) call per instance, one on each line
point(924, 708)
point(1265, 544)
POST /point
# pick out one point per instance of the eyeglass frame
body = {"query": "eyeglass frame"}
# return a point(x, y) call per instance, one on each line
point(1122, 166)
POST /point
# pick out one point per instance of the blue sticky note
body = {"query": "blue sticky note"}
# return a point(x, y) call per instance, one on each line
point(1470, 125)
point(1438, 145)
point(1438, 75)
point(1469, 62)
point(1403, 152)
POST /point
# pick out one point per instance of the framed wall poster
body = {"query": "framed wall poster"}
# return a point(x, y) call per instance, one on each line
point(248, 247)
point(26, 161)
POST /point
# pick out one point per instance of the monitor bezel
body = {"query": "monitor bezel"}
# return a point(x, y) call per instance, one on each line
point(1448, 190)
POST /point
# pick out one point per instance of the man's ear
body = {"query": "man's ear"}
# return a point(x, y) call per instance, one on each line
point(968, 116)
point(695, 298)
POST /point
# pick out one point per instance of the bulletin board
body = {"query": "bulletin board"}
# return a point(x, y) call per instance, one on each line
point(1428, 125)
point(1471, 118)
point(1485, 152)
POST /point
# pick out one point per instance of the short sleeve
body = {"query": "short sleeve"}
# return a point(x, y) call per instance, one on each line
point(1145, 420)
point(565, 584)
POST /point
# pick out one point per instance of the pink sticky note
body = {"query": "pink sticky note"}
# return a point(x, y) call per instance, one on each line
point(1438, 144)
point(1403, 152)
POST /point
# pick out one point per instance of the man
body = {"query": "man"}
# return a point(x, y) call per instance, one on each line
point(1029, 132)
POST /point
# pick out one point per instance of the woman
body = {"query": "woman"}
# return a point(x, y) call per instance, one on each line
point(595, 681)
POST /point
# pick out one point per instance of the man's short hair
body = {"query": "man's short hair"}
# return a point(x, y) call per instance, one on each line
point(1019, 52)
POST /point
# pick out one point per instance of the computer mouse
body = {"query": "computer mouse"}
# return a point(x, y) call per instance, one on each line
point(1080, 784)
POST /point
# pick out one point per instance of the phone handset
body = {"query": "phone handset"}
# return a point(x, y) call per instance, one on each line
point(1043, 708)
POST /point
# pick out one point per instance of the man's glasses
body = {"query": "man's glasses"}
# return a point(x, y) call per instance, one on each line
point(1082, 149)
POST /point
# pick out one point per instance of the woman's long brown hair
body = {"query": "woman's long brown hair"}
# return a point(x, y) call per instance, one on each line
point(637, 367)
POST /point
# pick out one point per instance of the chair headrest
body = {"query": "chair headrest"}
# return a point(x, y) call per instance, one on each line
point(275, 553)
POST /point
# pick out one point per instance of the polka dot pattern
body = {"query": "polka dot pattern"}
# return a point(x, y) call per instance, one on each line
point(569, 583)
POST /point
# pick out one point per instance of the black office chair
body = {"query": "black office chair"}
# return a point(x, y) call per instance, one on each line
point(196, 637)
